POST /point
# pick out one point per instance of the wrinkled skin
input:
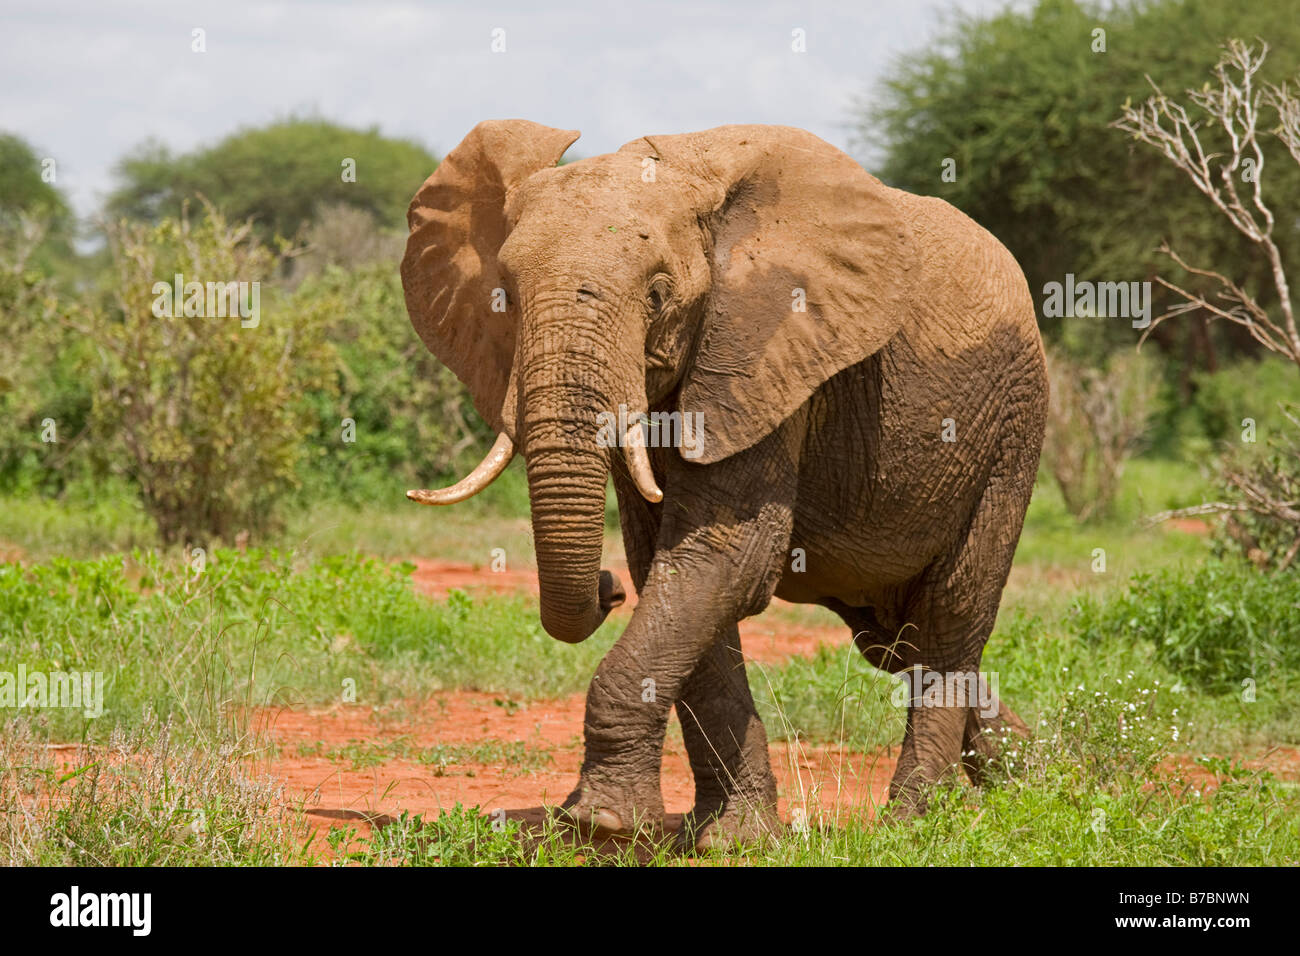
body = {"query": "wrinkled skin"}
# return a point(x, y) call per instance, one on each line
point(869, 378)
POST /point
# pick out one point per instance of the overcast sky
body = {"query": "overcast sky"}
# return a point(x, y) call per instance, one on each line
point(86, 80)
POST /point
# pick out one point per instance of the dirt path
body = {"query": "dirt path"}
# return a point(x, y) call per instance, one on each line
point(350, 766)
point(766, 639)
point(356, 766)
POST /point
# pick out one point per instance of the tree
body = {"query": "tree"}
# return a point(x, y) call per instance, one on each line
point(277, 176)
point(31, 202)
point(1224, 157)
point(1022, 102)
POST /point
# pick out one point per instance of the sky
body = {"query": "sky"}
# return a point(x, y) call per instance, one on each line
point(85, 81)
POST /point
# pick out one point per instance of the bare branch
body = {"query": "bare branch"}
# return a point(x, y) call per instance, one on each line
point(1234, 104)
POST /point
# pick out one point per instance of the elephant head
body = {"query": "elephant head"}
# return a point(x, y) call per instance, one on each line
point(725, 274)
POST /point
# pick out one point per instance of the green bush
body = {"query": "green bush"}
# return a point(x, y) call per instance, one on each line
point(44, 399)
point(1215, 626)
point(204, 413)
point(1247, 389)
point(412, 422)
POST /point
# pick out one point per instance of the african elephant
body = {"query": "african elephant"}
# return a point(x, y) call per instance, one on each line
point(864, 378)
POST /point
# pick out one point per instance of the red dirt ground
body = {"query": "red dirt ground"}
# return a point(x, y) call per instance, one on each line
point(824, 782)
point(380, 776)
point(338, 791)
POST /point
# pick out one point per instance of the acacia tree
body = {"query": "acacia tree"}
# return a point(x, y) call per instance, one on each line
point(1263, 515)
point(277, 176)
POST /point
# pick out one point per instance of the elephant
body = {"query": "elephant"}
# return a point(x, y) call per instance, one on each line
point(855, 384)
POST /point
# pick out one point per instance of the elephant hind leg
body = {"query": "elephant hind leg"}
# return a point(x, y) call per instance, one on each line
point(954, 606)
point(735, 791)
point(984, 738)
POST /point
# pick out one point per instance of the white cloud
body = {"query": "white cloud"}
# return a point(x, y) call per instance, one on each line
point(86, 81)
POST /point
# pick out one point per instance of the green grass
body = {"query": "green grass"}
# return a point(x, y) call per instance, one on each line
point(362, 754)
point(259, 628)
point(140, 798)
point(1115, 673)
point(88, 521)
point(1057, 555)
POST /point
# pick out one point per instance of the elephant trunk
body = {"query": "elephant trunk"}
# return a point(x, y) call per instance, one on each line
point(563, 390)
point(568, 504)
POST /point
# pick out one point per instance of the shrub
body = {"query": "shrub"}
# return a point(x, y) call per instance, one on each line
point(1248, 389)
point(204, 414)
point(412, 420)
point(1095, 419)
point(1215, 626)
point(44, 401)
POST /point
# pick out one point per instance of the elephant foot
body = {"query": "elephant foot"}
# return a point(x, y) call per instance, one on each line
point(601, 812)
point(904, 807)
point(985, 740)
point(741, 824)
point(909, 795)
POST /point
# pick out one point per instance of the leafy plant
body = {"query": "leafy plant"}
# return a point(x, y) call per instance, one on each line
point(1216, 625)
point(202, 412)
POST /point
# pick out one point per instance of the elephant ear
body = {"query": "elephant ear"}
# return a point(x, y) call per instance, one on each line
point(450, 272)
point(810, 266)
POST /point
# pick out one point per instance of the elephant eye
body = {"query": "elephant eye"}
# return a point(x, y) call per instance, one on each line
point(656, 297)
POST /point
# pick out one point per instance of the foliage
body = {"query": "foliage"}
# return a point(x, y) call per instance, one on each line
point(44, 402)
point(1248, 389)
point(457, 837)
point(412, 419)
point(199, 640)
point(276, 175)
point(139, 799)
point(348, 238)
point(27, 198)
point(1263, 498)
point(1095, 418)
point(1216, 625)
point(1023, 104)
point(204, 413)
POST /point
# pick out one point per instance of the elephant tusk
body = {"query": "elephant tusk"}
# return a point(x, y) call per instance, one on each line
point(503, 449)
point(638, 464)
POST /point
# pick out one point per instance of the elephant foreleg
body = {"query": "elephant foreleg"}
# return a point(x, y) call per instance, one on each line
point(735, 792)
point(717, 559)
